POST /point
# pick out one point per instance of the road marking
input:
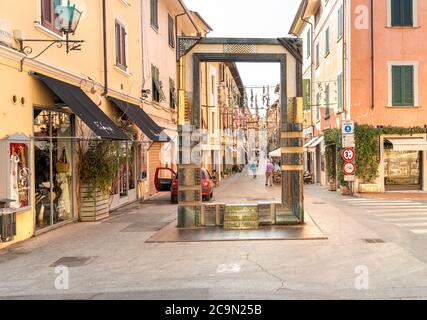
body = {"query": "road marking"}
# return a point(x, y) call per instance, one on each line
point(379, 210)
point(399, 205)
point(406, 219)
point(416, 224)
point(401, 214)
point(228, 268)
point(419, 231)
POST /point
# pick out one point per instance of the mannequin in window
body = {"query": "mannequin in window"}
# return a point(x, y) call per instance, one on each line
point(14, 178)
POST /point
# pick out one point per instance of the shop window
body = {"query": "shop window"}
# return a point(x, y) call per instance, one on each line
point(402, 13)
point(53, 156)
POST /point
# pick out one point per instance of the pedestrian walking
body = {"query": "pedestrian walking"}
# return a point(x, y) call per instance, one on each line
point(253, 168)
point(269, 174)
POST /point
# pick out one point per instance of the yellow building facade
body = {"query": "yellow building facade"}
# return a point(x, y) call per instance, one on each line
point(50, 103)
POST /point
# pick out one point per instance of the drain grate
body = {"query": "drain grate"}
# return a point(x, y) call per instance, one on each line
point(72, 262)
point(374, 240)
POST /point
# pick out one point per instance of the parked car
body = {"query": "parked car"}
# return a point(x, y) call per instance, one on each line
point(207, 183)
point(164, 178)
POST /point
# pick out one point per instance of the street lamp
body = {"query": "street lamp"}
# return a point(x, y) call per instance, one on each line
point(67, 20)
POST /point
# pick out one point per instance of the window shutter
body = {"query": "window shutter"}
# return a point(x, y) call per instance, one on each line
point(308, 43)
point(327, 101)
point(123, 46)
point(407, 12)
point(47, 13)
point(408, 85)
point(396, 12)
point(327, 41)
point(397, 85)
point(340, 21)
point(118, 46)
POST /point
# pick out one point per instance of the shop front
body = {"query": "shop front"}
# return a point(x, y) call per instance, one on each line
point(403, 162)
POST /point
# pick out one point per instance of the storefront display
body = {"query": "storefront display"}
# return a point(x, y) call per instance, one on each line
point(402, 170)
point(14, 166)
point(53, 153)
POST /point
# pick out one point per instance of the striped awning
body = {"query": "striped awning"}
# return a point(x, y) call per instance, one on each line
point(412, 144)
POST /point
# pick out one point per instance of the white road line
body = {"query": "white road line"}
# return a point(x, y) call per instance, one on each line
point(419, 231)
point(376, 201)
point(418, 224)
point(228, 268)
point(385, 210)
point(421, 214)
point(398, 208)
point(390, 204)
point(407, 219)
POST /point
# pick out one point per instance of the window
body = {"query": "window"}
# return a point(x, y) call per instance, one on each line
point(121, 46)
point(158, 94)
point(327, 111)
point(221, 72)
point(154, 4)
point(172, 94)
point(308, 43)
point(340, 93)
point(213, 122)
point(171, 31)
point(327, 46)
point(403, 93)
point(48, 14)
point(318, 106)
point(402, 13)
point(317, 55)
point(213, 84)
point(340, 22)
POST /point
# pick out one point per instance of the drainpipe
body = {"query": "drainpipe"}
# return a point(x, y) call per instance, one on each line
point(104, 36)
point(372, 56)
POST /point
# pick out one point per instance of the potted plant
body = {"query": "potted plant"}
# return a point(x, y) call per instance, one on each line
point(98, 167)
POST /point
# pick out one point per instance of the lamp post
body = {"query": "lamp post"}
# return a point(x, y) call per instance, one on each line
point(67, 21)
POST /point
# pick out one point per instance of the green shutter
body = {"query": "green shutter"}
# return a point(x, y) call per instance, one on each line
point(408, 85)
point(308, 43)
point(306, 93)
point(318, 106)
point(397, 85)
point(396, 12)
point(317, 55)
point(340, 22)
point(407, 12)
point(403, 86)
point(327, 42)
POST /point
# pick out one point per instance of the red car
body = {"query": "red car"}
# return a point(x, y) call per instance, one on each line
point(207, 186)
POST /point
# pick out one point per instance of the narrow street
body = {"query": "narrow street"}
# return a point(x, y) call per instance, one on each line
point(111, 259)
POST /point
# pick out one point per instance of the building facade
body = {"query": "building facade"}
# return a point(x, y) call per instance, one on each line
point(55, 105)
point(353, 77)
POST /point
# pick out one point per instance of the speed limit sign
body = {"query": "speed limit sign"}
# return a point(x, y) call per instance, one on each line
point(348, 154)
point(349, 168)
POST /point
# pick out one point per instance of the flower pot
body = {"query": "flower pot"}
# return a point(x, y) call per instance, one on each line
point(94, 205)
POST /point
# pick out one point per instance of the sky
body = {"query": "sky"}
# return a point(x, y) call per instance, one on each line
point(249, 19)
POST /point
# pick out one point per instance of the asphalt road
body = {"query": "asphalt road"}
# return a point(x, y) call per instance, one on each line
point(368, 255)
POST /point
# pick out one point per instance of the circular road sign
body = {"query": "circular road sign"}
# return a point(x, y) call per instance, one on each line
point(348, 154)
point(348, 128)
point(349, 168)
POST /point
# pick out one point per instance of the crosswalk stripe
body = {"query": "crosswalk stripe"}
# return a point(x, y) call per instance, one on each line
point(377, 201)
point(407, 219)
point(416, 224)
point(399, 207)
point(401, 214)
point(388, 204)
point(419, 231)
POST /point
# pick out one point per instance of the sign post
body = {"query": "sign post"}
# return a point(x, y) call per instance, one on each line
point(348, 153)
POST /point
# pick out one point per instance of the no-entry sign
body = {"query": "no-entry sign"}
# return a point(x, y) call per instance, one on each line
point(349, 168)
point(348, 154)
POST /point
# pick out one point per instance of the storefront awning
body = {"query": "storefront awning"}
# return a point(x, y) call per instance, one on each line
point(84, 108)
point(142, 120)
point(314, 142)
point(276, 153)
point(408, 144)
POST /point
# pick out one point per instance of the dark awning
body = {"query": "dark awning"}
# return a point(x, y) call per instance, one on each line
point(142, 120)
point(84, 108)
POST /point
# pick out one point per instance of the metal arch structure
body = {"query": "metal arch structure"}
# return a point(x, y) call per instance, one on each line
point(192, 51)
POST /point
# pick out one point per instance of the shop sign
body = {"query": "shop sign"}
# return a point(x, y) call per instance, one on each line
point(6, 33)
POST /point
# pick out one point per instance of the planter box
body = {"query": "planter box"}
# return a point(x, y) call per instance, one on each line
point(368, 188)
point(95, 206)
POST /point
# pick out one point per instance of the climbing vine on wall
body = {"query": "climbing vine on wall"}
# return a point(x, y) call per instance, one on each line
point(367, 140)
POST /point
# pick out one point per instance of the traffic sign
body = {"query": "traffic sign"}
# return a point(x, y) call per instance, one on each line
point(349, 168)
point(347, 127)
point(348, 141)
point(348, 154)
